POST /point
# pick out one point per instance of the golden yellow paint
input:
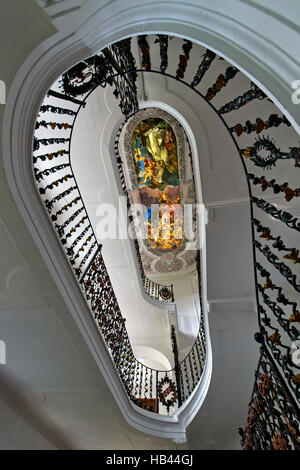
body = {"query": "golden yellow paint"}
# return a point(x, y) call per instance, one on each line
point(154, 149)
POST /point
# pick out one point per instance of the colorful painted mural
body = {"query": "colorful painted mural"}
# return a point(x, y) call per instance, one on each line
point(154, 149)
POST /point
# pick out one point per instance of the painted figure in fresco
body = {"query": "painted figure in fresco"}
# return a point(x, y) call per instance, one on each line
point(148, 170)
point(162, 147)
point(155, 153)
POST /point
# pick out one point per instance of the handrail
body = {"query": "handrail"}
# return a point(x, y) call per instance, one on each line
point(145, 386)
point(263, 155)
point(273, 420)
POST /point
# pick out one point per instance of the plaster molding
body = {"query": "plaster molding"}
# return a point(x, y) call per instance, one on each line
point(268, 55)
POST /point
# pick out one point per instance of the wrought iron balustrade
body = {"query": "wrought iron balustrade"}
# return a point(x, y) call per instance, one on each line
point(273, 421)
point(264, 158)
point(154, 390)
point(151, 389)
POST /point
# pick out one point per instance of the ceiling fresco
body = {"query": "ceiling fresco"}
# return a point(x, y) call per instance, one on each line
point(157, 162)
point(154, 149)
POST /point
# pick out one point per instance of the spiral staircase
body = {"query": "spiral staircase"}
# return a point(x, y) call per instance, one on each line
point(251, 178)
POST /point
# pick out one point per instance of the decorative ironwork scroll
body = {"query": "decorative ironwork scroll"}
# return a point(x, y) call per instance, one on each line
point(254, 93)
point(259, 125)
point(274, 154)
point(206, 62)
point(273, 421)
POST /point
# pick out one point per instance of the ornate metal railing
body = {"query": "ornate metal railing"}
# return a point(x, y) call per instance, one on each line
point(153, 390)
point(51, 160)
point(104, 69)
point(277, 305)
point(161, 292)
point(56, 182)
